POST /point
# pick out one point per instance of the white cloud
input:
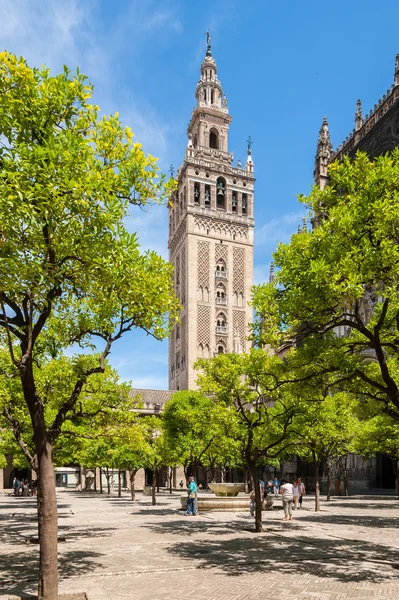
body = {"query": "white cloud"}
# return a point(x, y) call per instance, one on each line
point(278, 230)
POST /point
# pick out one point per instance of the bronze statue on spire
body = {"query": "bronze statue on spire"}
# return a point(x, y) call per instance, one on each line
point(208, 44)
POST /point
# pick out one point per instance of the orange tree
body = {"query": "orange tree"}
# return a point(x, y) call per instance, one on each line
point(70, 271)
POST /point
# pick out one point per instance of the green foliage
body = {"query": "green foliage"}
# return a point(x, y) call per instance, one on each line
point(259, 414)
point(196, 428)
point(342, 277)
point(71, 271)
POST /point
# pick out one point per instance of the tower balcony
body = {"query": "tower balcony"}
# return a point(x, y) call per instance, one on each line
point(205, 151)
point(220, 274)
point(221, 301)
point(223, 329)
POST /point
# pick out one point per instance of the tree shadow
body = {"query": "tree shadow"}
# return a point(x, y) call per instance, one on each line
point(13, 578)
point(355, 520)
point(343, 560)
point(360, 505)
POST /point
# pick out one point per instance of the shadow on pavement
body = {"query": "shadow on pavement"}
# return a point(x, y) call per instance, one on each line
point(358, 521)
point(342, 560)
point(14, 578)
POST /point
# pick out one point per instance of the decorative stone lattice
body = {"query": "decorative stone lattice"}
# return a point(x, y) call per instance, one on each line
point(176, 263)
point(183, 277)
point(203, 264)
point(183, 336)
point(203, 325)
point(178, 236)
point(221, 253)
point(221, 229)
point(239, 325)
point(238, 270)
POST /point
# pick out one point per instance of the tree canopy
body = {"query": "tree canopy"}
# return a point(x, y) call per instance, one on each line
point(335, 294)
point(71, 271)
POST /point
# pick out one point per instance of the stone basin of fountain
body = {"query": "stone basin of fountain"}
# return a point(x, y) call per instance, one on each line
point(226, 489)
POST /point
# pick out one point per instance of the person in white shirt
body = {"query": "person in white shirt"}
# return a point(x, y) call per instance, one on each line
point(297, 494)
point(286, 489)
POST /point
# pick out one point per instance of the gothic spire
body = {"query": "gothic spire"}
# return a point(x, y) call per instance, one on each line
point(323, 155)
point(358, 115)
point(396, 77)
point(271, 274)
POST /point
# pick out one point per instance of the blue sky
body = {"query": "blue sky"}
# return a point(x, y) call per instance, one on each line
point(282, 66)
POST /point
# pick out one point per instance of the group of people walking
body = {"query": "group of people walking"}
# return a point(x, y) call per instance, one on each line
point(292, 495)
point(22, 487)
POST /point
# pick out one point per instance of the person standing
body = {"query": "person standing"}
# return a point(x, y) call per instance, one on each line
point(276, 485)
point(262, 488)
point(286, 489)
point(302, 491)
point(252, 503)
point(191, 504)
point(15, 485)
point(296, 494)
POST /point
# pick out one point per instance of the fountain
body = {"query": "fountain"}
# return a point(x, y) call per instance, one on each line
point(227, 497)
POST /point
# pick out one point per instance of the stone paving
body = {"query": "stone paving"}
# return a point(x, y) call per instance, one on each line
point(117, 549)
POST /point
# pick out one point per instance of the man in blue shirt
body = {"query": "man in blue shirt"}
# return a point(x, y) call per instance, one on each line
point(191, 497)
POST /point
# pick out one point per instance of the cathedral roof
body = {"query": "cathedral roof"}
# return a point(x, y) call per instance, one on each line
point(153, 400)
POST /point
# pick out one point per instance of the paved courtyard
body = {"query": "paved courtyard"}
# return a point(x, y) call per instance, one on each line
point(118, 549)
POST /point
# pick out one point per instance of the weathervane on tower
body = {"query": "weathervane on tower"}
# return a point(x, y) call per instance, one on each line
point(208, 44)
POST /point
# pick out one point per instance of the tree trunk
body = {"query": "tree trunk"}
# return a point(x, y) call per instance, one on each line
point(101, 481)
point(396, 473)
point(119, 484)
point(108, 476)
point(132, 483)
point(317, 486)
point(328, 470)
point(153, 487)
point(47, 521)
point(95, 480)
point(157, 480)
point(170, 477)
point(345, 476)
point(258, 500)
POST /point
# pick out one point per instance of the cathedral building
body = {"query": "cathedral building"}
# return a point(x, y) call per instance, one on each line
point(375, 133)
point(211, 225)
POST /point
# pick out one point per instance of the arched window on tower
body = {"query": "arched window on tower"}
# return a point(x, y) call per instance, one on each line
point(220, 271)
point(221, 193)
point(213, 97)
point(214, 138)
point(197, 193)
point(221, 323)
point(234, 201)
point(221, 294)
point(244, 204)
point(221, 347)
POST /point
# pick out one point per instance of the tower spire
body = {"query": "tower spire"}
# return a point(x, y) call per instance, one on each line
point(323, 155)
point(208, 44)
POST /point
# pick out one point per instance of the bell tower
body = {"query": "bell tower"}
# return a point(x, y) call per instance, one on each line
point(211, 223)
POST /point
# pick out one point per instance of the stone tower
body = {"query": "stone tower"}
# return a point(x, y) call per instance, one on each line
point(211, 222)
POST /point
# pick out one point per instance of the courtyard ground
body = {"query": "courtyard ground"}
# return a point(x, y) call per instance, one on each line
point(117, 549)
